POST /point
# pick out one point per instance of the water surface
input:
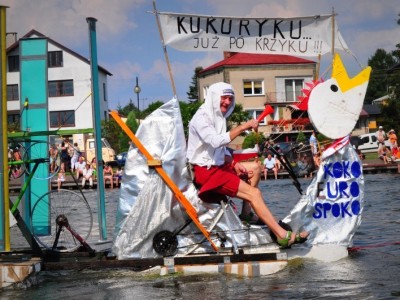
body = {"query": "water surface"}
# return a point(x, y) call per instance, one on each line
point(372, 272)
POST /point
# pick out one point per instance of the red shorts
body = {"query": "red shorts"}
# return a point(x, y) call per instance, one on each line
point(216, 182)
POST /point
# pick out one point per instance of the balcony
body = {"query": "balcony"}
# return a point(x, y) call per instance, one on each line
point(287, 126)
point(279, 98)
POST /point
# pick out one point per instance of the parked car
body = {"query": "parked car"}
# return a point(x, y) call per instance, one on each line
point(121, 158)
point(367, 142)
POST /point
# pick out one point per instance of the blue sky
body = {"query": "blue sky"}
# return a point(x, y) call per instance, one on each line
point(129, 44)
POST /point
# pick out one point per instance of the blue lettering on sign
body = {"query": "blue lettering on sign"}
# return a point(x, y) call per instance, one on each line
point(341, 183)
point(337, 210)
point(341, 169)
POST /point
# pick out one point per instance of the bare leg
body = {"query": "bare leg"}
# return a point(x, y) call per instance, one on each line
point(254, 169)
point(253, 196)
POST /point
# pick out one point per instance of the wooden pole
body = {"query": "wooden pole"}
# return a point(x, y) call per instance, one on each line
point(164, 49)
point(318, 67)
point(333, 33)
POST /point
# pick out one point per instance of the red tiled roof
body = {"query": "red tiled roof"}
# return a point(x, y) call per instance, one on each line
point(240, 59)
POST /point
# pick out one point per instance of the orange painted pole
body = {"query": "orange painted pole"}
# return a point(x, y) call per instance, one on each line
point(177, 192)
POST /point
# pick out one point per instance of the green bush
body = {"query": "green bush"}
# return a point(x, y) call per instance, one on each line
point(252, 139)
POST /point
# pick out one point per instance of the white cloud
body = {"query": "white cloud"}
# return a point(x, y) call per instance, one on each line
point(66, 20)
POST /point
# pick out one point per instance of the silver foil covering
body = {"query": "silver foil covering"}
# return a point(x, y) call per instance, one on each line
point(332, 208)
point(147, 205)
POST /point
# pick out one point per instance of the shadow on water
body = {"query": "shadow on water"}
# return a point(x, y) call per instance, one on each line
point(371, 272)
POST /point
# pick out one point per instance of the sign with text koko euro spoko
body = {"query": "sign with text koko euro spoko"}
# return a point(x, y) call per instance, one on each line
point(303, 36)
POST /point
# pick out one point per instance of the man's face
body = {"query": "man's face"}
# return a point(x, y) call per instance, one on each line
point(225, 103)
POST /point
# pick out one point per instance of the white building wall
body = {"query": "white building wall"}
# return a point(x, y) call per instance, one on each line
point(81, 102)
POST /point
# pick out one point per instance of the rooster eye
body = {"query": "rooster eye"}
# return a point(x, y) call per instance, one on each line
point(334, 88)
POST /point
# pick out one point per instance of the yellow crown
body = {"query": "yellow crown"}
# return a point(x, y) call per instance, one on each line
point(340, 74)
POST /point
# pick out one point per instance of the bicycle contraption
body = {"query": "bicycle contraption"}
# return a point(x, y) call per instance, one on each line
point(60, 220)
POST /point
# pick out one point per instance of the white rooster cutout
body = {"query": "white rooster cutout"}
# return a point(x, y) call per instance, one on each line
point(334, 106)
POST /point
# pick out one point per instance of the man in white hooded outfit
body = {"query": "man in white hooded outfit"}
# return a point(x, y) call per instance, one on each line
point(215, 172)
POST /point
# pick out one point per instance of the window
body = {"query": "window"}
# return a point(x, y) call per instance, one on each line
point(13, 118)
point(205, 91)
point(13, 63)
point(104, 91)
point(64, 118)
point(293, 89)
point(61, 88)
point(54, 59)
point(12, 92)
point(13, 121)
point(253, 87)
point(255, 113)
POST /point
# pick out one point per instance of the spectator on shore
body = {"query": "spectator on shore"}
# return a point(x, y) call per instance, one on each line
point(53, 153)
point(65, 159)
point(381, 137)
point(303, 167)
point(93, 164)
point(76, 153)
point(384, 154)
point(118, 176)
point(270, 165)
point(108, 175)
point(392, 137)
point(360, 154)
point(60, 178)
point(79, 167)
point(314, 149)
point(87, 175)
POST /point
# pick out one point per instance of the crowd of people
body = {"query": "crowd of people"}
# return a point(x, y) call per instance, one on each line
point(388, 154)
point(72, 160)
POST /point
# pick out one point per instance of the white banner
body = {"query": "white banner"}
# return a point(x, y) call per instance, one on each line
point(304, 36)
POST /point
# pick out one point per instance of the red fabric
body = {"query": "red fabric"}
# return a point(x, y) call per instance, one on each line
point(216, 182)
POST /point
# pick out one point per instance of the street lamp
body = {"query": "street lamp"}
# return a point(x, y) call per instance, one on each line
point(137, 91)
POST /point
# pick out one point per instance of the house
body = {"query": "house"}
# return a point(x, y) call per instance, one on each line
point(260, 79)
point(68, 86)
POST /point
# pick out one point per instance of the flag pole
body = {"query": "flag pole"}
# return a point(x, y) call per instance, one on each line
point(165, 49)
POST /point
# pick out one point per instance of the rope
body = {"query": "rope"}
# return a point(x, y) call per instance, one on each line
point(357, 248)
point(62, 124)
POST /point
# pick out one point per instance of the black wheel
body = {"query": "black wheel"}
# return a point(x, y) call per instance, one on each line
point(53, 213)
point(165, 243)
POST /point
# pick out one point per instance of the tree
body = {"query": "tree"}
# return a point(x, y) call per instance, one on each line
point(238, 116)
point(113, 133)
point(252, 139)
point(133, 125)
point(127, 109)
point(301, 138)
point(187, 111)
point(390, 115)
point(152, 107)
point(379, 81)
point(117, 138)
point(193, 94)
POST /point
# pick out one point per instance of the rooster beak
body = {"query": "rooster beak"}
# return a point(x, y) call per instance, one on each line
point(340, 74)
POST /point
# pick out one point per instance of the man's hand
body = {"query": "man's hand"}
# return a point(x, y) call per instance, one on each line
point(240, 169)
point(252, 124)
